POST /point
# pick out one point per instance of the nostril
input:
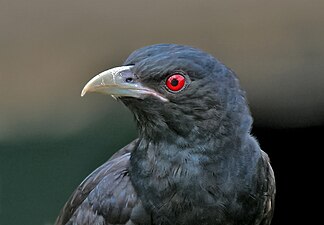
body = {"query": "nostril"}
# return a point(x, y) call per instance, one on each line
point(127, 76)
point(129, 80)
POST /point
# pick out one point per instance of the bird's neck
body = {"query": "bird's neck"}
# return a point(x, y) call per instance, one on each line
point(160, 156)
point(216, 130)
point(169, 146)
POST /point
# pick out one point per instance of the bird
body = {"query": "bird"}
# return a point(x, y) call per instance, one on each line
point(194, 161)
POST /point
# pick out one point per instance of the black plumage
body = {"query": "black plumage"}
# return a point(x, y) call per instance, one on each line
point(194, 162)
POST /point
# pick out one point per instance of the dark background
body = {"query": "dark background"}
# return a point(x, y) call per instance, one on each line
point(51, 138)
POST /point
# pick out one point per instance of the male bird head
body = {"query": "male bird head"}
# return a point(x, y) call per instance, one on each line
point(177, 88)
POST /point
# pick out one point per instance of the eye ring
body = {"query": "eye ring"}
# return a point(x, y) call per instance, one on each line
point(176, 82)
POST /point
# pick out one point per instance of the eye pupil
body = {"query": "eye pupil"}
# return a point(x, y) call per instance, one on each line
point(175, 82)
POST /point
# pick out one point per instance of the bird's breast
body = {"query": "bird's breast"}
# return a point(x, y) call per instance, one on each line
point(191, 187)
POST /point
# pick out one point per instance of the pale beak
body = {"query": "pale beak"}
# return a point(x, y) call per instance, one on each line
point(120, 82)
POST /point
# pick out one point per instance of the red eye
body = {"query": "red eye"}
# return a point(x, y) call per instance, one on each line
point(176, 82)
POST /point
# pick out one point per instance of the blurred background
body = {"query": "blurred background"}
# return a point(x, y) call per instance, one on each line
point(51, 138)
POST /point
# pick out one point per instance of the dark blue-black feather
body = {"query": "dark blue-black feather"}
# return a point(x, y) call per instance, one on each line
point(195, 161)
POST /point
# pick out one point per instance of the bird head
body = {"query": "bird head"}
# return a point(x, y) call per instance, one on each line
point(176, 88)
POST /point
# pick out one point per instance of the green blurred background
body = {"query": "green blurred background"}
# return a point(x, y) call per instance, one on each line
point(51, 138)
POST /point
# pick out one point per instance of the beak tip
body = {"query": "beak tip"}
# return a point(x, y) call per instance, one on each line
point(83, 92)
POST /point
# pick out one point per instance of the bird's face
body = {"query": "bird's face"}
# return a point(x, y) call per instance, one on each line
point(172, 87)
